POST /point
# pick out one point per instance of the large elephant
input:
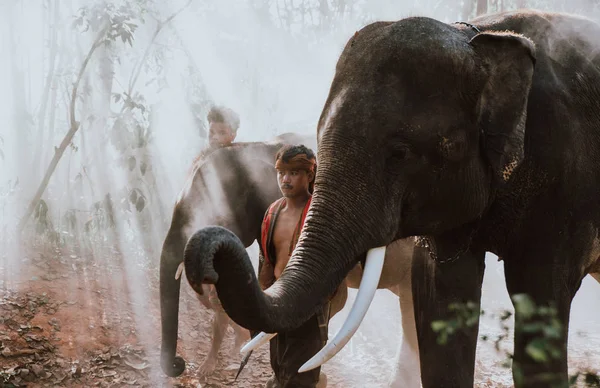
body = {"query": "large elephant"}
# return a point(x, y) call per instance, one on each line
point(232, 187)
point(478, 137)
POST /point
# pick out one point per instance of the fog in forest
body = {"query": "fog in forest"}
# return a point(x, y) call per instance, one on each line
point(103, 109)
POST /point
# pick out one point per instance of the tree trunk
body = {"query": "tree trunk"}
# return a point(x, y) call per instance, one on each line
point(74, 126)
point(324, 15)
point(48, 86)
point(467, 9)
point(20, 116)
point(482, 7)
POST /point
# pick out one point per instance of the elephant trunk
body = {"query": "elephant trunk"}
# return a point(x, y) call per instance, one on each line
point(216, 255)
point(170, 258)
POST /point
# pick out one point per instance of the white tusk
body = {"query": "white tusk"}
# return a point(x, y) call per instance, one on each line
point(260, 339)
point(179, 271)
point(364, 297)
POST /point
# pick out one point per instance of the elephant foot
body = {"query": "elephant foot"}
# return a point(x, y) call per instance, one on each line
point(240, 340)
point(272, 383)
point(208, 367)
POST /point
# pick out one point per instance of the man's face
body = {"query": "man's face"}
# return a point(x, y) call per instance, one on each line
point(293, 183)
point(220, 134)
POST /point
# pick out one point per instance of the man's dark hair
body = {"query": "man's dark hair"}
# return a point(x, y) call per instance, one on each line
point(221, 114)
point(287, 152)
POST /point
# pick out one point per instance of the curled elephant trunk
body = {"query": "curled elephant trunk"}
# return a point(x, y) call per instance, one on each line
point(216, 256)
point(366, 293)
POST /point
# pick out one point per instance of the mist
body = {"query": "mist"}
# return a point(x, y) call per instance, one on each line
point(138, 119)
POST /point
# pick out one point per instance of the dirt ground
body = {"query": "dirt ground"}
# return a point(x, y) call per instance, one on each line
point(83, 320)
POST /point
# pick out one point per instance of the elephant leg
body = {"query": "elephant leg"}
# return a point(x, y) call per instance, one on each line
point(407, 373)
point(241, 336)
point(219, 327)
point(540, 354)
point(596, 276)
point(436, 288)
point(204, 300)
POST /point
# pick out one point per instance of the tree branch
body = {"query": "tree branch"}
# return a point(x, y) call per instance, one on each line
point(74, 126)
point(159, 27)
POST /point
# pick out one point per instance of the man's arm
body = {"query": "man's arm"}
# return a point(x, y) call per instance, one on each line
point(266, 272)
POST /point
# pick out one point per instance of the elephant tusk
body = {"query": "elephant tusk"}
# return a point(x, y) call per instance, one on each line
point(259, 340)
point(179, 271)
point(366, 293)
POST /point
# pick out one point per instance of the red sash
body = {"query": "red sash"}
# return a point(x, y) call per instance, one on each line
point(268, 226)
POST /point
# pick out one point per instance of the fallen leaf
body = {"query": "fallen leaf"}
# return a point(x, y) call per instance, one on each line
point(37, 369)
point(137, 366)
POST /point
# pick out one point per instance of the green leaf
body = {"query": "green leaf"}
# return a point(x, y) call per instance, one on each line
point(442, 338)
point(573, 379)
point(535, 350)
point(553, 330)
point(592, 379)
point(438, 325)
point(534, 327)
point(524, 306)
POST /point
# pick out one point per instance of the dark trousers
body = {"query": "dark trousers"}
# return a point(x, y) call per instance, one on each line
point(291, 349)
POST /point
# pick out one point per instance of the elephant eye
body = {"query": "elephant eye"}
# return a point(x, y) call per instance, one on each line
point(399, 152)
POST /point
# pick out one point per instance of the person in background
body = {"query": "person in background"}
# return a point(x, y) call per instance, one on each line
point(223, 124)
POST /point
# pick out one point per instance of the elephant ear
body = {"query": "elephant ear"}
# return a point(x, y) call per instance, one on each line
point(508, 60)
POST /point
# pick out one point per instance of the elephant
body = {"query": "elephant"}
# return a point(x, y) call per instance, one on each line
point(232, 187)
point(219, 327)
point(475, 137)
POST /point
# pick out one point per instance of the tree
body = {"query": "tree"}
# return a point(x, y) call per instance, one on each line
point(482, 7)
point(110, 24)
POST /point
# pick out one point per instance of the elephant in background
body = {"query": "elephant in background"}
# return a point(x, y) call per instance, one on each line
point(232, 187)
point(477, 137)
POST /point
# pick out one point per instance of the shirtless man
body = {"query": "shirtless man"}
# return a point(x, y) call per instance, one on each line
point(281, 229)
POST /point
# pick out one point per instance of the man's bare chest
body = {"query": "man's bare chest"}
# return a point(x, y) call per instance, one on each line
point(283, 233)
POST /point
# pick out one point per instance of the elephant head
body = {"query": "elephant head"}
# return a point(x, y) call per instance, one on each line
point(424, 121)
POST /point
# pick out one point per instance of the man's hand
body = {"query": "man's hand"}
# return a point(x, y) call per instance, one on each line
point(266, 273)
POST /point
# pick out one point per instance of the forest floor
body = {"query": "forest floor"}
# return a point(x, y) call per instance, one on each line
point(81, 320)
